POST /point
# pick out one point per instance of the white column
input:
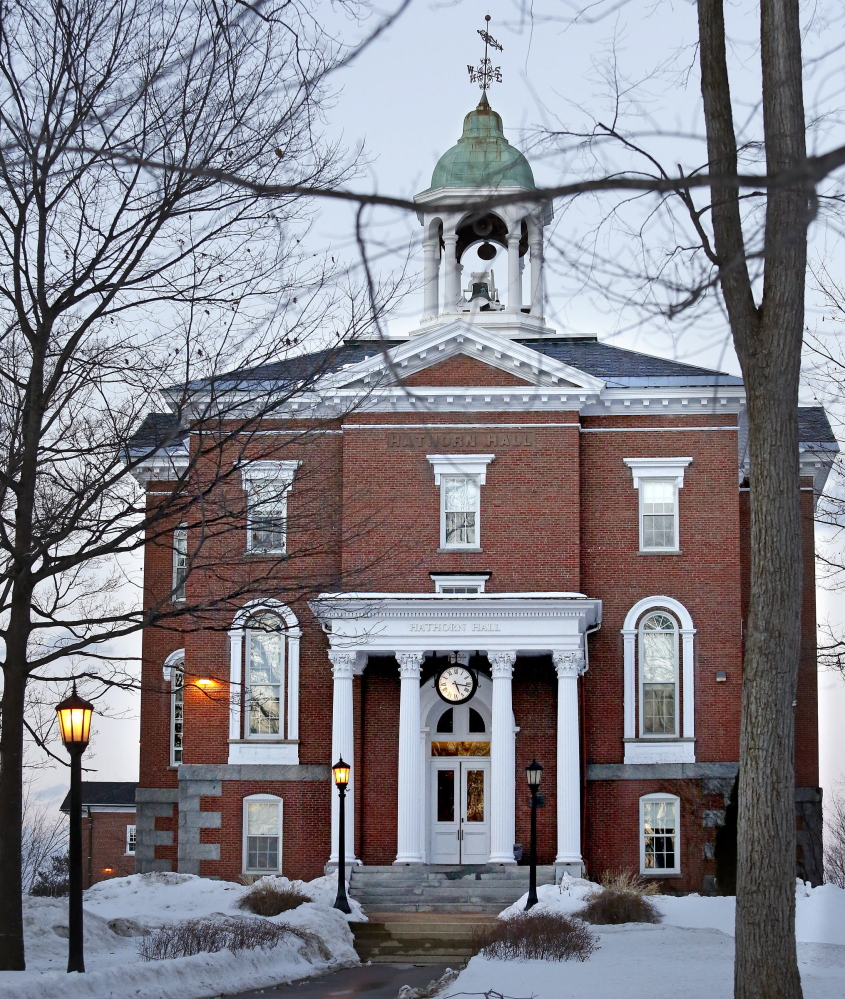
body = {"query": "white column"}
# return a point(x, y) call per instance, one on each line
point(537, 289)
point(408, 841)
point(514, 283)
point(502, 761)
point(236, 645)
point(451, 277)
point(431, 291)
point(293, 683)
point(569, 666)
point(343, 745)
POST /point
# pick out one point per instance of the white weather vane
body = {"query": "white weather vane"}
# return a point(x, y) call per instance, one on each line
point(485, 72)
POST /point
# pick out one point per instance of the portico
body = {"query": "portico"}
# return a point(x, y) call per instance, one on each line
point(497, 628)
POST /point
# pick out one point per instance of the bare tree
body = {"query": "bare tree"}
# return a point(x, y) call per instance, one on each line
point(125, 290)
point(834, 850)
point(44, 836)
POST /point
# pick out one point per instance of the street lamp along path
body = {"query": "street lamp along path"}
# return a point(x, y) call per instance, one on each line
point(340, 772)
point(74, 714)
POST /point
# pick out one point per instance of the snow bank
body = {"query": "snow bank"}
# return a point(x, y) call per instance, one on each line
point(693, 949)
point(120, 911)
point(819, 912)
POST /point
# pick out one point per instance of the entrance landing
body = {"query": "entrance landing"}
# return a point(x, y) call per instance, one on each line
point(442, 888)
point(420, 937)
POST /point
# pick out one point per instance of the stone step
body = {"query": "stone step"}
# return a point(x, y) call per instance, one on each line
point(489, 908)
point(419, 938)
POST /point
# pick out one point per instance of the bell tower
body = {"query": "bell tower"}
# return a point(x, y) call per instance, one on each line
point(465, 228)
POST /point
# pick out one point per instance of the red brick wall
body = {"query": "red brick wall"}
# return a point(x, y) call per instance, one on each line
point(705, 577)
point(104, 846)
point(529, 507)
point(463, 370)
point(306, 822)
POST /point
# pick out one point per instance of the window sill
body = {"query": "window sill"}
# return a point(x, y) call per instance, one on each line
point(653, 876)
point(269, 741)
point(266, 553)
point(458, 550)
point(660, 551)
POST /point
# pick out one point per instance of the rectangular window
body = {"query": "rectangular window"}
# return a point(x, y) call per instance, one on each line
point(658, 663)
point(130, 840)
point(267, 515)
point(180, 562)
point(658, 499)
point(460, 499)
point(262, 836)
point(659, 836)
point(445, 795)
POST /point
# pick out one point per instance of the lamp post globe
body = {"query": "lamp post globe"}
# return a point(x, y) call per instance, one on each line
point(74, 714)
point(533, 775)
point(340, 773)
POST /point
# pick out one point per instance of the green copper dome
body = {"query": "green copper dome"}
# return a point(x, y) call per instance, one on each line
point(482, 157)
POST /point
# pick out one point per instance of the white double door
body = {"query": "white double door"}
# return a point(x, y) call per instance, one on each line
point(459, 805)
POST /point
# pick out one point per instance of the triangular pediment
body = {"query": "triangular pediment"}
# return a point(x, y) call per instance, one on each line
point(469, 355)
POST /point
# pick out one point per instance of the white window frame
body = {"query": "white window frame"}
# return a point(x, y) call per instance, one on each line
point(258, 475)
point(663, 871)
point(180, 562)
point(173, 664)
point(675, 676)
point(131, 840)
point(656, 748)
point(455, 584)
point(263, 736)
point(260, 799)
point(274, 750)
point(667, 470)
point(460, 466)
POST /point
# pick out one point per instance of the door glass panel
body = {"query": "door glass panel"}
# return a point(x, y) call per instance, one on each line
point(475, 795)
point(460, 748)
point(445, 795)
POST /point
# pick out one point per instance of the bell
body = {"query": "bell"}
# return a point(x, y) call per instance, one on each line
point(483, 226)
point(487, 251)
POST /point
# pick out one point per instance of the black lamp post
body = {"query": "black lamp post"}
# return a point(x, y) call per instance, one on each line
point(533, 774)
point(75, 724)
point(341, 778)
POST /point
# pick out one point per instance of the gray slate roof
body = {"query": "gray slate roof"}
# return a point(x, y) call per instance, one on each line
point(814, 426)
point(104, 792)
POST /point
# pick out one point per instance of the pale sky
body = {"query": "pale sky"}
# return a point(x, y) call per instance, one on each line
point(405, 98)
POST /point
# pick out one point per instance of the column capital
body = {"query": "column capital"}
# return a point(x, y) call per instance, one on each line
point(409, 664)
point(501, 664)
point(569, 663)
point(343, 663)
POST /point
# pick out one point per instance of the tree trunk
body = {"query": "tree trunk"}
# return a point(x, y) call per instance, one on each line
point(11, 802)
point(768, 343)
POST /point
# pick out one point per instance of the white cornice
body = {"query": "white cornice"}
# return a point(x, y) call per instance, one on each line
point(163, 466)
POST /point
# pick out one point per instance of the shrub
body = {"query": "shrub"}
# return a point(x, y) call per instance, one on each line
point(628, 881)
point(544, 936)
point(267, 899)
point(610, 906)
point(207, 936)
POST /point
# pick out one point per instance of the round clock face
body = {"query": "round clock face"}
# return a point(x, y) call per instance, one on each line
point(456, 684)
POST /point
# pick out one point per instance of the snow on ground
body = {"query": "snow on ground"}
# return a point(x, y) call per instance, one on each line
point(689, 954)
point(118, 912)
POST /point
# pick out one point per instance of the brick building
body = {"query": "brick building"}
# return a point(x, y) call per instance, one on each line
point(108, 830)
point(534, 545)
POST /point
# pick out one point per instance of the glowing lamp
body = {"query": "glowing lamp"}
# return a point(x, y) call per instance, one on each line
point(75, 720)
point(341, 773)
point(205, 681)
point(534, 774)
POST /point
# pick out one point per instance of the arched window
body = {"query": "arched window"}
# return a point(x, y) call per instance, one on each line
point(264, 684)
point(658, 675)
point(659, 679)
point(177, 713)
point(265, 668)
point(262, 834)
point(174, 674)
point(660, 840)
